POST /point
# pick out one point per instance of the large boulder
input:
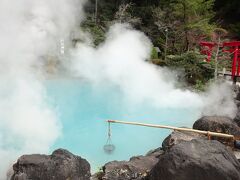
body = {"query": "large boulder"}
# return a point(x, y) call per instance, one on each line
point(136, 168)
point(61, 165)
point(219, 124)
point(179, 136)
point(197, 159)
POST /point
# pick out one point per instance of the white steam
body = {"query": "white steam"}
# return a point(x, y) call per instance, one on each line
point(219, 100)
point(29, 31)
point(121, 61)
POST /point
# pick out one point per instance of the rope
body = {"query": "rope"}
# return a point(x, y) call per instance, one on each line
point(109, 147)
point(109, 130)
point(109, 134)
point(233, 51)
point(208, 135)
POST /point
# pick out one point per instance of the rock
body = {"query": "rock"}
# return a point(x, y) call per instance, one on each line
point(155, 152)
point(61, 165)
point(97, 176)
point(237, 118)
point(136, 168)
point(237, 102)
point(217, 124)
point(238, 96)
point(197, 159)
point(179, 136)
point(236, 153)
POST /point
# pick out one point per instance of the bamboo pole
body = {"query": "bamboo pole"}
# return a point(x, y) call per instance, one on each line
point(208, 133)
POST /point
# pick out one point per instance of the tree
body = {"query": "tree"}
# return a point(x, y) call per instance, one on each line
point(217, 36)
point(228, 14)
point(189, 20)
point(123, 15)
point(195, 70)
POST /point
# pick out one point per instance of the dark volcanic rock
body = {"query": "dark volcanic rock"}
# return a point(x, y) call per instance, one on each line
point(237, 102)
point(179, 136)
point(217, 124)
point(197, 159)
point(61, 165)
point(237, 118)
point(137, 168)
point(238, 96)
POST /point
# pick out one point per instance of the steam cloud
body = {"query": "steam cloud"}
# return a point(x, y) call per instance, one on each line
point(121, 61)
point(30, 30)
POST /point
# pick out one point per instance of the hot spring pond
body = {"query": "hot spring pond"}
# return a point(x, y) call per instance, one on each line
point(83, 109)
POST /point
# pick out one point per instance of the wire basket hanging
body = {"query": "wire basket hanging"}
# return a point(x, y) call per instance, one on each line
point(109, 146)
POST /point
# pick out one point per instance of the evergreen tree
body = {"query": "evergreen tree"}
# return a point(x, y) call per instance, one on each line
point(188, 20)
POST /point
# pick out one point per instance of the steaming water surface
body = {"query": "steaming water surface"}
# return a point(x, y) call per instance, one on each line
point(83, 110)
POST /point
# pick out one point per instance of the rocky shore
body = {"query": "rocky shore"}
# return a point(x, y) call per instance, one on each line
point(61, 164)
point(183, 156)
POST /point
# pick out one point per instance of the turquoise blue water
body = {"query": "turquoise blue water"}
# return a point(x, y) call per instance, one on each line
point(83, 110)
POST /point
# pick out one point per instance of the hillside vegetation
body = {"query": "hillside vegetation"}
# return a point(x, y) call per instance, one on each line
point(175, 27)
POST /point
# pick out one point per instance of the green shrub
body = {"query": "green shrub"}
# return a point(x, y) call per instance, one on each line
point(196, 71)
point(95, 30)
point(200, 86)
point(154, 53)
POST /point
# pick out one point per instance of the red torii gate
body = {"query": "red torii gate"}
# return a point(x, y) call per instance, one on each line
point(232, 47)
point(207, 49)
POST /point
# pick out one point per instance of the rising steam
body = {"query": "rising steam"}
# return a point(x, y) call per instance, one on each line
point(121, 61)
point(30, 31)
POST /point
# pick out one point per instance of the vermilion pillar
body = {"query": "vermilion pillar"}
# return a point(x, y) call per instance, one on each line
point(233, 48)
